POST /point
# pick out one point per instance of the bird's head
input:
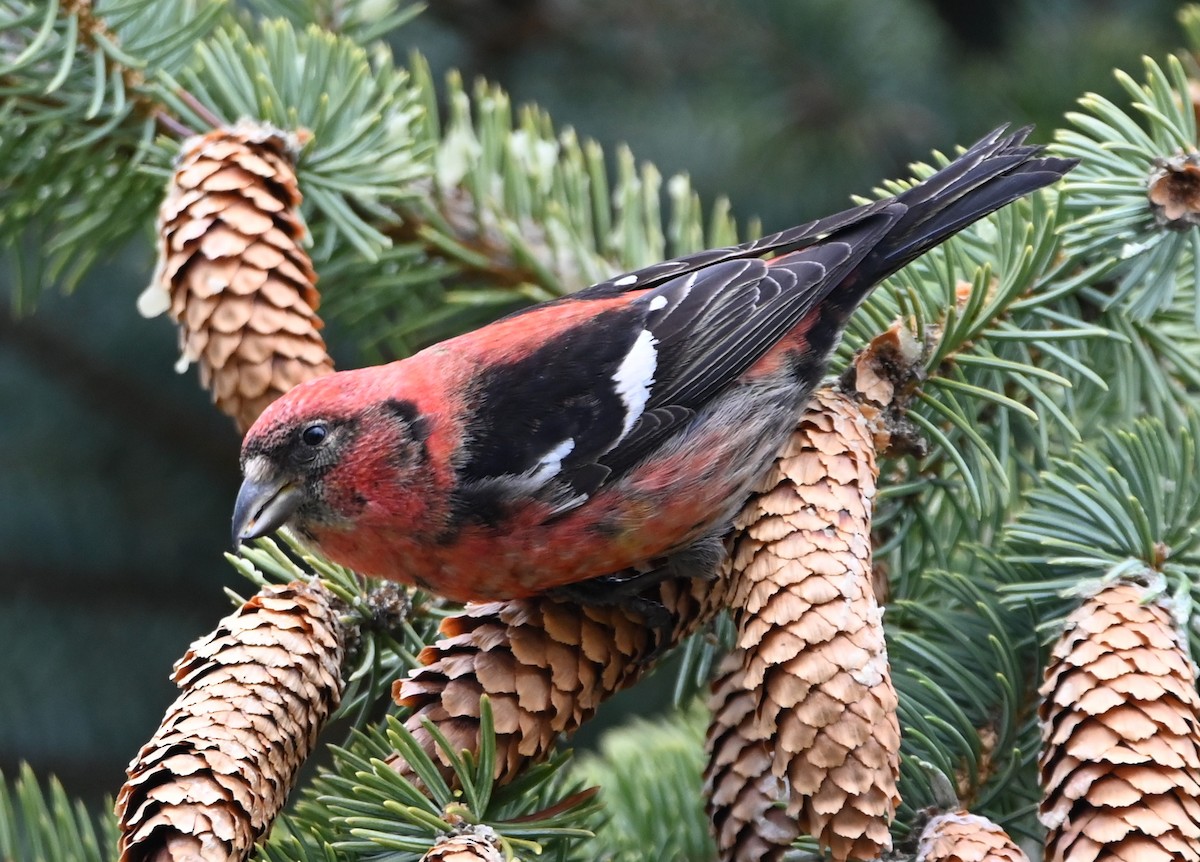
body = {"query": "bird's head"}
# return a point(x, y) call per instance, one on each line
point(325, 453)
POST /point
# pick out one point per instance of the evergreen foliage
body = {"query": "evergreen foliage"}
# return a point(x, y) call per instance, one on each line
point(39, 823)
point(1057, 399)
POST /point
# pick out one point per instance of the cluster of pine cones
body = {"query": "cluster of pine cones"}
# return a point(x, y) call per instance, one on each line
point(804, 736)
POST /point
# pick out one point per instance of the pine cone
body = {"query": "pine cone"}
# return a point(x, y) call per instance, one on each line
point(476, 845)
point(811, 658)
point(256, 693)
point(546, 665)
point(1120, 755)
point(960, 836)
point(741, 789)
point(232, 271)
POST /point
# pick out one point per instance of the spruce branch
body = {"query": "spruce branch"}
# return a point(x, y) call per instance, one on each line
point(962, 667)
point(95, 33)
point(1125, 505)
point(102, 56)
point(354, 106)
point(1129, 195)
point(1150, 368)
point(362, 808)
point(361, 20)
point(353, 102)
point(523, 213)
point(39, 822)
point(387, 624)
point(992, 348)
point(648, 772)
point(79, 105)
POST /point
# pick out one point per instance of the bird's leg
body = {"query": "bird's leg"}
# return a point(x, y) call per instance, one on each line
point(633, 589)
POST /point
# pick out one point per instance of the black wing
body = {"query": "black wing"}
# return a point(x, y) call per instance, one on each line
point(560, 423)
point(712, 326)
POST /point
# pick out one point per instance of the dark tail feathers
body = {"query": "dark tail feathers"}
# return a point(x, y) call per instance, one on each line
point(994, 172)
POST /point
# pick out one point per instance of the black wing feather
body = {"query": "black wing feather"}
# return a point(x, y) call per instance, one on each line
point(528, 409)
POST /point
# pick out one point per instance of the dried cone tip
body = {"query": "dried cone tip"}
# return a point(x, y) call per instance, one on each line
point(959, 836)
point(1174, 191)
point(477, 844)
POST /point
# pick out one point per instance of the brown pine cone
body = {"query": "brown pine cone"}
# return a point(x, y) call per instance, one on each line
point(811, 658)
point(545, 665)
point(1120, 754)
point(476, 845)
point(232, 270)
point(960, 836)
point(741, 789)
point(256, 692)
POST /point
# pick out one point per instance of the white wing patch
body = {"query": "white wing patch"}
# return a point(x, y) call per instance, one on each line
point(625, 280)
point(658, 302)
point(551, 462)
point(635, 376)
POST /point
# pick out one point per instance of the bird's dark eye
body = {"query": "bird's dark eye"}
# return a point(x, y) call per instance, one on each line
point(315, 434)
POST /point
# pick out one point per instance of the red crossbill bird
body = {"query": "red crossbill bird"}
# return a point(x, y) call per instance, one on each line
point(618, 428)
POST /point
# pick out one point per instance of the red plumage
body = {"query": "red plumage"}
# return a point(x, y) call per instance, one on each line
point(618, 428)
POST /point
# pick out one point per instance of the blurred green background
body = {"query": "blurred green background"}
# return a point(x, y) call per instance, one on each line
point(117, 477)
